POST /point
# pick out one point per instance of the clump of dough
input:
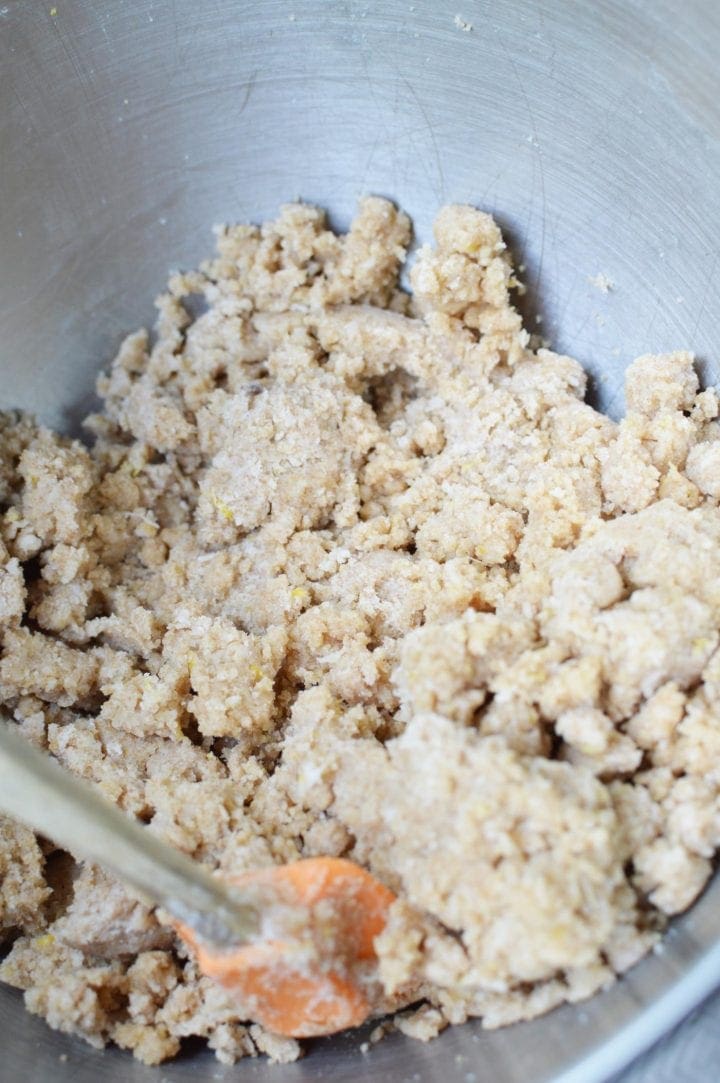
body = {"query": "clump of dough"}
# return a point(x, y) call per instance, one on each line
point(353, 571)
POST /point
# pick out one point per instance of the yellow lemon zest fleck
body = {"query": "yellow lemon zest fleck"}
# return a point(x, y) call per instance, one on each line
point(300, 592)
point(44, 942)
point(257, 673)
point(220, 505)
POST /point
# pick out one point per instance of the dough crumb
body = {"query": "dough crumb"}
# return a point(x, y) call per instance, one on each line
point(601, 282)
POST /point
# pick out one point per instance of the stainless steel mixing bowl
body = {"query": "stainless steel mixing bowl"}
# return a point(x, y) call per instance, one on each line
point(590, 127)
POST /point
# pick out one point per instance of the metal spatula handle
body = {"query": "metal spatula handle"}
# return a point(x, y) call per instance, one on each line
point(37, 790)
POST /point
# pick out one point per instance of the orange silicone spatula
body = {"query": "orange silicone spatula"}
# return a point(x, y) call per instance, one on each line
point(293, 944)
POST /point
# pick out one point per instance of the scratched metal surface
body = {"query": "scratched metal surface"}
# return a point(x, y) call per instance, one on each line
point(690, 1054)
point(590, 127)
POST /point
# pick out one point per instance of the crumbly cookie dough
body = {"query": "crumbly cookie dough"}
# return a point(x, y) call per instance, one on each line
point(353, 571)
